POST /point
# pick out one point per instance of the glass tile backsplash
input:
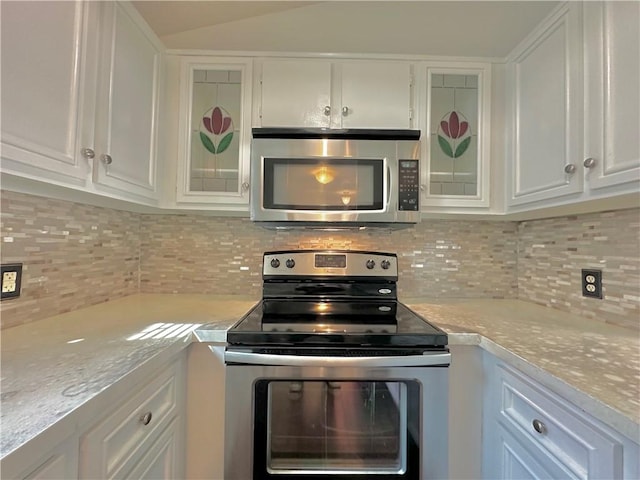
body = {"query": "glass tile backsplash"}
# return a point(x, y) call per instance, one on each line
point(77, 255)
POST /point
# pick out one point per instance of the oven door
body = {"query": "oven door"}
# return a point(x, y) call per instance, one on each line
point(336, 417)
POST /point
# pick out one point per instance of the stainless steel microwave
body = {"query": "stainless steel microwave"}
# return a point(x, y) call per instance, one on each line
point(327, 178)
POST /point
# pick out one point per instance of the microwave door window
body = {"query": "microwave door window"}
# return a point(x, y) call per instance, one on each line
point(323, 184)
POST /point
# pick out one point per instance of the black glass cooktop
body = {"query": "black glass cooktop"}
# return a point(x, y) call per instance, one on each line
point(334, 324)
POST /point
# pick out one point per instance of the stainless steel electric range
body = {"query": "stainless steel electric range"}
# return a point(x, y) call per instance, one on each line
point(330, 376)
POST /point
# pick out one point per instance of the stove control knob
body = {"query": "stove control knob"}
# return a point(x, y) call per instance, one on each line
point(290, 263)
point(275, 263)
point(385, 264)
point(370, 264)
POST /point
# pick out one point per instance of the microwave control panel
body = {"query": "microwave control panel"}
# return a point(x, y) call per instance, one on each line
point(408, 185)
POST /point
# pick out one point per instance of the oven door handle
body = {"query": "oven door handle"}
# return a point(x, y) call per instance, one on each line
point(426, 360)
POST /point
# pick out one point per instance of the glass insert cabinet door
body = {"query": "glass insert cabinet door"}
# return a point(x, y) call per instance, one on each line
point(215, 136)
point(456, 138)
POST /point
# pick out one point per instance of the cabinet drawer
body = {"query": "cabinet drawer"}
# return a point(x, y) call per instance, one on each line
point(557, 428)
point(113, 445)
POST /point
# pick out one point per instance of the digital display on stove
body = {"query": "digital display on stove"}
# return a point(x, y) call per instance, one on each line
point(330, 261)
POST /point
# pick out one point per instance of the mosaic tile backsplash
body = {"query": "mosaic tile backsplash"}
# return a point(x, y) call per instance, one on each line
point(198, 254)
point(553, 252)
point(73, 255)
point(76, 255)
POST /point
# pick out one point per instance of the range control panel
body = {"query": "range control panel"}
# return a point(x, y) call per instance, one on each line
point(338, 263)
point(408, 185)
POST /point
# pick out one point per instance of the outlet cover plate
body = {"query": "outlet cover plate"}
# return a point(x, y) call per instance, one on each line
point(592, 283)
point(11, 276)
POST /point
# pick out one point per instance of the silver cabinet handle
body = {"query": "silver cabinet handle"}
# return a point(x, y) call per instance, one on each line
point(345, 111)
point(539, 427)
point(245, 186)
point(145, 418)
point(570, 168)
point(106, 159)
point(327, 110)
point(589, 162)
point(88, 153)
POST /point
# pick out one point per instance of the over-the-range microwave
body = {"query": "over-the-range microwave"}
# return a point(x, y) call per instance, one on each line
point(327, 178)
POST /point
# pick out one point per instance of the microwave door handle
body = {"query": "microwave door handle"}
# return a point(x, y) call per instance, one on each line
point(426, 360)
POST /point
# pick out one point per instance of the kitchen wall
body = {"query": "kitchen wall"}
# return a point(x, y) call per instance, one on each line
point(552, 252)
point(76, 255)
point(443, 258)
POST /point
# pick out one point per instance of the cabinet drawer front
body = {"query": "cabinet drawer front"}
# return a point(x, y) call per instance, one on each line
point(554, 426)
point(114, 443)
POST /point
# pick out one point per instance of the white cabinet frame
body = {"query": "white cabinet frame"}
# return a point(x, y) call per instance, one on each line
point(188, 65)
point(482, 197)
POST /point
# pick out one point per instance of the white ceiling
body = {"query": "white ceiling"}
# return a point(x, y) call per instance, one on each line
point(453, 28)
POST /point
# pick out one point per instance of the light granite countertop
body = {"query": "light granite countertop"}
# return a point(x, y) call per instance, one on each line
point(52, 367)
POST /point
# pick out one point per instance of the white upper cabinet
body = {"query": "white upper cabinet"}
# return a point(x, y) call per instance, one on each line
point(214, 138)
point(80, 86)
point(129, 83)
point(295, 94)
point(456, 136)
point(574, 117)
point(545, 116)
point(374, 95)
point(341, 94)
point(47, 89)
point(612, 94)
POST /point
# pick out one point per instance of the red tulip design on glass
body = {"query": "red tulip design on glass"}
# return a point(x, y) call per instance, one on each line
point(454, 135)
point(216, 131)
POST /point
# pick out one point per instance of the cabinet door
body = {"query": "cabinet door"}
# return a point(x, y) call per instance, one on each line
point(120, 441)
point(546, 128)
point(612, 93)
point(521, 461)
point(215, 138)
point(48, 456)
point(44, 81)
point(296, 93)
point(456, 166)
point(375, 95)
point(63, 463)
point(161, 461)
point(127, 116)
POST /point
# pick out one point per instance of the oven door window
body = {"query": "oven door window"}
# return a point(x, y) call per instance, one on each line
point(335, 427)
point(324, 184)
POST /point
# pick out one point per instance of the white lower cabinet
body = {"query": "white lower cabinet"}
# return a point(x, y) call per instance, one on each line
point(59, 462)
point(161, 459)
point(141, 439)
point(531, 432)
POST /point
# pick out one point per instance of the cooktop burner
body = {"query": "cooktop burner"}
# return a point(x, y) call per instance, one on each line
point(402, 328)
point(333, 298)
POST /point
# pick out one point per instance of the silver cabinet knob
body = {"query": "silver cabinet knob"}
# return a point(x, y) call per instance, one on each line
point(88, 153)
point(327, 110)
point(539, 427)
point(245, 186)
point(145, 418)
point(106, 159)
point(345, 111)
point(569, 168)
point(589, 162)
